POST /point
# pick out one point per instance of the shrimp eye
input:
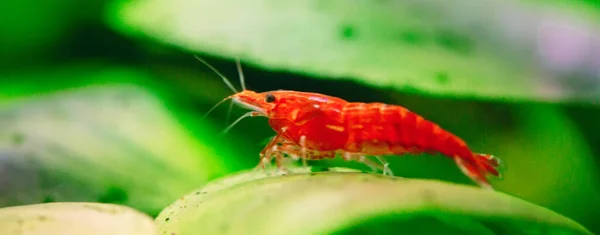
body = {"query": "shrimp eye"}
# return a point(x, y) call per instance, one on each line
point(269, 98)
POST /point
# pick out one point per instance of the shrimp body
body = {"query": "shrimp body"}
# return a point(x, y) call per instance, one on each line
point(317, 126)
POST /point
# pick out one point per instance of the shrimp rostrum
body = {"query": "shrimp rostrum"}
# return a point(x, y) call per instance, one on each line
point(313, 126)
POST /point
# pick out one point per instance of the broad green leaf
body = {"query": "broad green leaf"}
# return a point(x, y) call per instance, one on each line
point(548, 153)
point(102, 141)
point(486, 49)
point(341, 200)
point(72, 218)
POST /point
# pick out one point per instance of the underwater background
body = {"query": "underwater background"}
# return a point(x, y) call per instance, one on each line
point(103, 101)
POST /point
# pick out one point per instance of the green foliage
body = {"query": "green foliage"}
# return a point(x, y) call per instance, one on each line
point(549, 152)
point(412, 46)
point(31, 29)
point(342, 200)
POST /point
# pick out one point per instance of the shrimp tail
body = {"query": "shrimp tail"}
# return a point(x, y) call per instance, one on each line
point(480, 167)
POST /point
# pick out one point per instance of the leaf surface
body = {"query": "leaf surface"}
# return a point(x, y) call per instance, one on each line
point(466, 48)
point(100, 135)
point(71, 218)
point(340, 200)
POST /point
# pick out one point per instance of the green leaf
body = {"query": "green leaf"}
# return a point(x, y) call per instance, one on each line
point(105, 140)
point(431, 47)
point(74, 218)
point(548, 153)
point(344, 200)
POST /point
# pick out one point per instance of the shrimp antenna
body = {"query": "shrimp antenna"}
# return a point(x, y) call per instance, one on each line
point(241, 73)
point(218, 73)
point(229, 112)
point(216, 105)
point(248, 114)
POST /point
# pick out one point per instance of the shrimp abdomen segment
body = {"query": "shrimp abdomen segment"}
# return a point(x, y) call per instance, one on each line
point(377, 128)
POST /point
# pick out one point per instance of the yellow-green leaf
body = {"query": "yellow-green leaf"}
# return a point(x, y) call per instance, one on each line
point(343, 200)
point(70, 218)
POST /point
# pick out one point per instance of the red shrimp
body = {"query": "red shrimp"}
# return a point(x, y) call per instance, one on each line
point(316, 126)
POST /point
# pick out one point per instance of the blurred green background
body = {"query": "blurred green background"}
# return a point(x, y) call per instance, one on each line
point(103, 100)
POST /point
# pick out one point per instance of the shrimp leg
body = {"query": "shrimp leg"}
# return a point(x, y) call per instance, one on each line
point(303, 145)
point(382, 164)
point(276, 147)
point(386, 166)
point(266, 155)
